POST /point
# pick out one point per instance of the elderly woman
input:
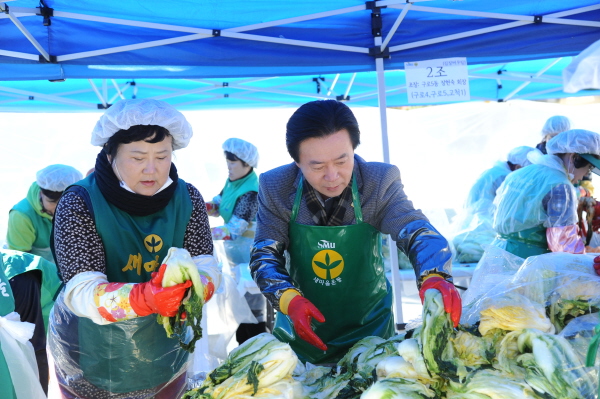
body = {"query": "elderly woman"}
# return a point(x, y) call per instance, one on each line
point(536, 207)
point(238, 204)
point(111, 231)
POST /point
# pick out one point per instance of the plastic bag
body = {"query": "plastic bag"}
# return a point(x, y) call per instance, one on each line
point(132, 358)
point(226, 311)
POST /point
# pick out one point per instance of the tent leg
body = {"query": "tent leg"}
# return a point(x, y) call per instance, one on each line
point(396, 282)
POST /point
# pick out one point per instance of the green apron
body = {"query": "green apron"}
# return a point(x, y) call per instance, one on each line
point(133, 354)
point(16, 262)
point(340, 270)
point(526, 243)
point(42, 227)
point(7, 305)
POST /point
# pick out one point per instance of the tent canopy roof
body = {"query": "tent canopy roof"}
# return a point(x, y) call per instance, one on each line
point(204, 39)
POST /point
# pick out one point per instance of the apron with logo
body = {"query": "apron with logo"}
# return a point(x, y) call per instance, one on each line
point(133, 354)
point(340, 270)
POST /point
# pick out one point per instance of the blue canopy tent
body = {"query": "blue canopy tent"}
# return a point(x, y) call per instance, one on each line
point(495, 82)
point(127, 41)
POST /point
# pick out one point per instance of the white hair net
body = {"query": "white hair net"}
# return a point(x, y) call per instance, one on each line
point(518, 156)
point(127, 113)
point(244, 150)
point(555, 125)
point(57, 177)
point(576, 141)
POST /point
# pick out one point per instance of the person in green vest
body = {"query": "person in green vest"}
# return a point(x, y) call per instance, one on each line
point(536, 207)
point(30, 220)
point(112, 231)
point(327, 209)
point(237, 204)
point(35, 281)
point(18, 370)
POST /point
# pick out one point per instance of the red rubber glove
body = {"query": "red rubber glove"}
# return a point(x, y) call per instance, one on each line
point(301, 311)
point(452, 301)
point(152, 297)
point(597, 265)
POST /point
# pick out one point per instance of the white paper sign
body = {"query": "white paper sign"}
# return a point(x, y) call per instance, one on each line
point(437, 81)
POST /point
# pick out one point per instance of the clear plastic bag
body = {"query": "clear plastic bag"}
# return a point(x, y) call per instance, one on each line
point(121, 360)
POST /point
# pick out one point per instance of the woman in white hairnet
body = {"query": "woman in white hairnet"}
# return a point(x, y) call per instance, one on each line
point(536, 207)
point(237, 204)
point(474, 225)
point(34, 280)
point(553, 126)
point(111, 232)
point(30, 220)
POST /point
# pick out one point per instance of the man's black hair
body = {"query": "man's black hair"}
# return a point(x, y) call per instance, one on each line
point(319, 119)
point(148, 133)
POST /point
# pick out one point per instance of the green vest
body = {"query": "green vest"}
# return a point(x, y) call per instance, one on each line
point(340, 270)
point(133, 354)
point(7, 305)
point(520, 218)
point(42, 227)
point(17, 262)
point(233, 190)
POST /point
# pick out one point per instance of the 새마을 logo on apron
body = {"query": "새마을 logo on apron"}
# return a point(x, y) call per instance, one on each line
point(3, 288)
point(153, 243)
point(328, 265)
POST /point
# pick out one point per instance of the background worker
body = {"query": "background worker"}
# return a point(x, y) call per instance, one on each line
point(536, 207)
point(237, 204)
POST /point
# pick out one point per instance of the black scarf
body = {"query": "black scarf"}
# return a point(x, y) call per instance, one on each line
point(319, 215)
point(134, 204)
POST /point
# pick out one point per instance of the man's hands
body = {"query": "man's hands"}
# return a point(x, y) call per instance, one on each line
point(302, 311)
point(452, 301)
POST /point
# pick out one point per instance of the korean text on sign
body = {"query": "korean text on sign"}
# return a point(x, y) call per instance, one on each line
point(437, 81)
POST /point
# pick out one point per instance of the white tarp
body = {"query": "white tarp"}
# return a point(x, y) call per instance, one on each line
point(584, 70)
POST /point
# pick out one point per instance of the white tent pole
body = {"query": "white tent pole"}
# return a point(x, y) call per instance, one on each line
point(29, 36)
point(105, 91)
point(291, 42)
point(518, 78)
point(119, 91)
point(119, 49)
point(350, 85)
point(522, 86)
point(15, 54)
point(455, 36)
point(395, 26)
point(337, 76)
point(381, 95)
point(573, 11)
point(97, 92)
point(48, 97)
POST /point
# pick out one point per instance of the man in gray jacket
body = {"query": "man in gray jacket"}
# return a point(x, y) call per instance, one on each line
point(327, 209)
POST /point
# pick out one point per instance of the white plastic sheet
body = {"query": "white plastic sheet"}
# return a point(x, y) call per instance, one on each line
point(584, 70)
